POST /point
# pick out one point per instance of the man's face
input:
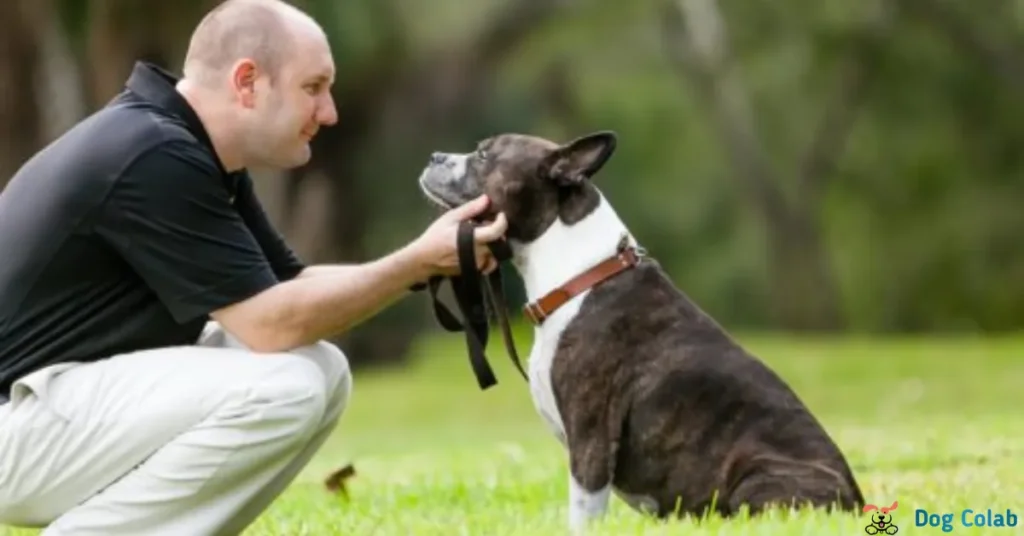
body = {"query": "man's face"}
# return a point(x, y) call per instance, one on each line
point(292, 106)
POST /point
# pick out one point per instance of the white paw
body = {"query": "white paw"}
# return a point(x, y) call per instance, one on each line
point(586, 506)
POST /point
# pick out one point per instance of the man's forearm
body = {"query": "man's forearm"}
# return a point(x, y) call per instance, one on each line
point(317, 270)
point(327, 300)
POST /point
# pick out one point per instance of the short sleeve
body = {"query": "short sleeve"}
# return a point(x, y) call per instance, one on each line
point(170, 216)
point(285, 263)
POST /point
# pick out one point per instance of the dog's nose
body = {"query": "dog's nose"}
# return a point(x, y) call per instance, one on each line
point(437, 158)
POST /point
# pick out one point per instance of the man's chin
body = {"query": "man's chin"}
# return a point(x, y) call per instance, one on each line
point(294, 159)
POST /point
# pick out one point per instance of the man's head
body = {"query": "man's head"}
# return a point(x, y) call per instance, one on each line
point(533, 181)
point(259, 72)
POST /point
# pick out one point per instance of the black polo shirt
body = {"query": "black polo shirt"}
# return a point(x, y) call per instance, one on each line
point(125, 233)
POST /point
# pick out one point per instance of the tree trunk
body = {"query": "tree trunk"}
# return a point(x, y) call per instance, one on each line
point(122, 32)
point(804, 293)
point(21, 126)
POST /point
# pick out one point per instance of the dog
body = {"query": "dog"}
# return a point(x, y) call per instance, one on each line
point(881, 519)
point(652, 399)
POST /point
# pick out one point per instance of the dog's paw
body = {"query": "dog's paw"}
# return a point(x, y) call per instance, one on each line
point(586, 506)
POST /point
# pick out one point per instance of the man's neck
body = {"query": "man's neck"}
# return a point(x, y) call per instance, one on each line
point(218, 127)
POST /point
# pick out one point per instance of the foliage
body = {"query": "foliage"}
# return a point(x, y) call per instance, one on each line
point(916, 226)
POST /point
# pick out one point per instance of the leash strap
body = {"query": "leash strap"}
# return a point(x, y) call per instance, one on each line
point(472, 294)
point(496, 294)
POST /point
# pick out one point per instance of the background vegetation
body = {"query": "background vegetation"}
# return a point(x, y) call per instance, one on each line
point(799, 166)
point(837, 182)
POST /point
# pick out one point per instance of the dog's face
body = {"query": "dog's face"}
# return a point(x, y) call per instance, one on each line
point(881, 519)
point(533, 181)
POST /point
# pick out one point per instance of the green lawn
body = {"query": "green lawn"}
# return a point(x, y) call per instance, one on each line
point(933, 423)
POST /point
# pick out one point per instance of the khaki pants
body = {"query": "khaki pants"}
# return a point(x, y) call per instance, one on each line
point(184, 441)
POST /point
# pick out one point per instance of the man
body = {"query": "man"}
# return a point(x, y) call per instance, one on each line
point(162, 369)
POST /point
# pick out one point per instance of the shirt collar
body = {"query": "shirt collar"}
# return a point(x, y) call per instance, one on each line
point(157, 85)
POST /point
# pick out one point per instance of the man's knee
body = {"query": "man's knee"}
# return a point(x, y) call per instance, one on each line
point(334, 365)
point(295, 389)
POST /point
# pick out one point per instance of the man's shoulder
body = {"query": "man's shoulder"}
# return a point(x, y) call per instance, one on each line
point(104, 145)
point(149, 131)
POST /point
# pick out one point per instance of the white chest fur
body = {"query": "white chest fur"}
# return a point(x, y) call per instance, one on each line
point(561, 253)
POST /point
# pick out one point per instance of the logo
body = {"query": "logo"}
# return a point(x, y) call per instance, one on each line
point(968, 518)
point(881, 519)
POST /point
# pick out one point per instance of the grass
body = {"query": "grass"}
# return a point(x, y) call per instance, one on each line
point(932, 423)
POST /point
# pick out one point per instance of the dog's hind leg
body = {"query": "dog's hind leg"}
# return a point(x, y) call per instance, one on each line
point(797, 485)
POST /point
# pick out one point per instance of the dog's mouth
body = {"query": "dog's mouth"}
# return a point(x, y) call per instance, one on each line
point(434, 198)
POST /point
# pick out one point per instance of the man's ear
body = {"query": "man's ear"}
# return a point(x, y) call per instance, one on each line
point(579, 159)
point(243, 81)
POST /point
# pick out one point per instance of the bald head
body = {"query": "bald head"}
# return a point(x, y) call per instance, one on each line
point(263, 31)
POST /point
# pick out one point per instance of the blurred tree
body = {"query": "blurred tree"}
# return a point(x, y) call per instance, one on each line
point(21, 129)
point(803, 291)
point(874, 146)
point(394, 97)
point(120, 32)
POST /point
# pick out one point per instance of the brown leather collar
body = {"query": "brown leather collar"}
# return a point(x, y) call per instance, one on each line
point(536, 312)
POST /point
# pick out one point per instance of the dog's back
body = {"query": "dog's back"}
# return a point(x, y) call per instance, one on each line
point(698, 416)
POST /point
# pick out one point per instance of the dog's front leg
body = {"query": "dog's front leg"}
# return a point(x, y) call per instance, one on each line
point(586, 503)
point(591, 466)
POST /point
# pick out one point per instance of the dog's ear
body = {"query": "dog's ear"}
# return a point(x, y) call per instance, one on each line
point(579, 159)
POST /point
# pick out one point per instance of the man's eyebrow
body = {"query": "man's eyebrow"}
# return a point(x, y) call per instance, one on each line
point(320, 79)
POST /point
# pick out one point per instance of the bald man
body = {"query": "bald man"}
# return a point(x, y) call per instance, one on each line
point(163, 369)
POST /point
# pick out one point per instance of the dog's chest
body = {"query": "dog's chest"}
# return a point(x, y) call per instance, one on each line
point(542, 358)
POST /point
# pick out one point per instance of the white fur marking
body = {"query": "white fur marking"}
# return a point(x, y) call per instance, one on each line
point(458, 166)
point(586, 506)
point(558, 255)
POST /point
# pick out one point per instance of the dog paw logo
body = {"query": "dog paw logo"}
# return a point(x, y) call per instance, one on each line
point(881, 519)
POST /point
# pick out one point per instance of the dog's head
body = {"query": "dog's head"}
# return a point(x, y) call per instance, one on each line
point(533, 181)
point(880, 517)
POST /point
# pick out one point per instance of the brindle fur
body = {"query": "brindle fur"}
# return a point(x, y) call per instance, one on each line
point(656, 397)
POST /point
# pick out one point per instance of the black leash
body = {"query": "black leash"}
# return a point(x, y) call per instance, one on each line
point(473, 294)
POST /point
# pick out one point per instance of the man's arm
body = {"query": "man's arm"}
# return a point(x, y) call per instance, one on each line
point(171, 218)
point(317, 270)
point(308, 308)
point(327, 300)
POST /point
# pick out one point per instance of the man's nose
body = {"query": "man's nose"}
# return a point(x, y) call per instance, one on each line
point(327, 112)
point(438, 158)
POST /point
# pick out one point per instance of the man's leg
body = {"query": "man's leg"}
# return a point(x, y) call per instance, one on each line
point(176, 441)
point(338, 382)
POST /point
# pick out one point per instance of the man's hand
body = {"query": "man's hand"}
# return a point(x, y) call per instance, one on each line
point(437, 246)
point(306, 309)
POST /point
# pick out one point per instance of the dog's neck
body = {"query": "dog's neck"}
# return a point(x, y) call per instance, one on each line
point(565, 251)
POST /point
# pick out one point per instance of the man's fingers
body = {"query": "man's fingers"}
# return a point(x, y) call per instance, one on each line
point(486, 263)
point(493, 230)
point(470, 209)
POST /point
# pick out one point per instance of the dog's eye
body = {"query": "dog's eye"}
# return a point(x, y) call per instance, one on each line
point(481, 154)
